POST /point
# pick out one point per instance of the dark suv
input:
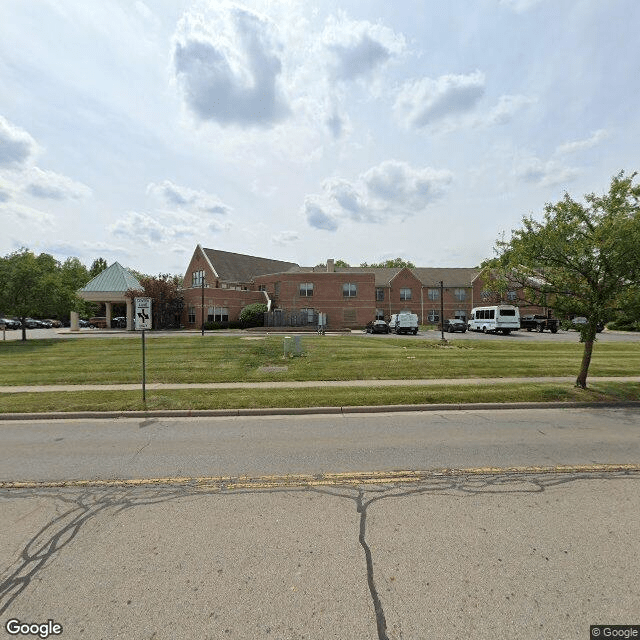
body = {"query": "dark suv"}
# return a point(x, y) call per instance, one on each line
point(455, 324)
point(377, 326)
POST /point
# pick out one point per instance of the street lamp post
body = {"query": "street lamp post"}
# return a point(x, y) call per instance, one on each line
point(202, 284)
point(442, 308)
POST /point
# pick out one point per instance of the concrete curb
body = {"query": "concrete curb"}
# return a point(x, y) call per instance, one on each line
point(396, 408)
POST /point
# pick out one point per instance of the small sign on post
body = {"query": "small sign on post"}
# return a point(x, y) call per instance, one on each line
point(143, 314)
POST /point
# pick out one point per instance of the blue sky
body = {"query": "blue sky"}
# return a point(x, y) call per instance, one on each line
point(365, 130)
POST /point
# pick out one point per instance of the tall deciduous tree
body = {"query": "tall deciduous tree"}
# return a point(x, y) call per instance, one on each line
point(583, 259)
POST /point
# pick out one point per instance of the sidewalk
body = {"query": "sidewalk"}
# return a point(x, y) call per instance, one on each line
point(292, 384)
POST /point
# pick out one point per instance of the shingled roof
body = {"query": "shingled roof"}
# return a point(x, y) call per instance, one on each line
point(237, 267)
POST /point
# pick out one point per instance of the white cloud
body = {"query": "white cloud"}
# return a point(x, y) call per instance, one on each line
point(506, 108)
point(317, 217)
point(16, 145)
point(285, 238)
point(544, 173)
point(22, 213)
point(54, 186)
point(358, 48)
point(143, 227)
point(226, 62)
point(426, 101)
point(390, 189)
point(580, 145)
point(173, 195)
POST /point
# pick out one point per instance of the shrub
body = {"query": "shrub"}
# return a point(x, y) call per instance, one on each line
point(253, 315)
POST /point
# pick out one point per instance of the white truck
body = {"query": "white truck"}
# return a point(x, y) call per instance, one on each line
point(404, 323)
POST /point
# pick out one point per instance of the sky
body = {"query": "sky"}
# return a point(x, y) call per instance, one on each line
point(360, 130)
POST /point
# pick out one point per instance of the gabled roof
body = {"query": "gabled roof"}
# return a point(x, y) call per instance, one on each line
point(113, 279)
point(428, 276)
point(237, 267)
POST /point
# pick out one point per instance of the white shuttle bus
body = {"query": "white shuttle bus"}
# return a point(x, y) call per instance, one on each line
point(504, 318)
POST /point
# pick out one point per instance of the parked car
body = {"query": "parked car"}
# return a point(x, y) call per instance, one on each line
point(99, 322)
point(538, 323)
point(120, 322)
point(84, 324)
point(54, 323)
point(377, 326)
point(455, 324)
point(9, 323)
point(578, 321)
point(32, 323)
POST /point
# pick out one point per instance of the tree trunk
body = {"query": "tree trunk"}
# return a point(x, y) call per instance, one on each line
point(589, 338)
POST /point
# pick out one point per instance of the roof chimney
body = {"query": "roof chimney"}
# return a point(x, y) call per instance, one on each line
point(331, 265)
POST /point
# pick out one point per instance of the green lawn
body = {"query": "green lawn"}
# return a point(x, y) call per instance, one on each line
point(234, 359)
point(193, 359)
point(191, 399)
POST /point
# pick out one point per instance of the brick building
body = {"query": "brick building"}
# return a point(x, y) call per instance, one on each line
point(219, 284)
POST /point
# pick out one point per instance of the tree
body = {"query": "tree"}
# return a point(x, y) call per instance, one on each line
point(167, 303)
point(97, 267)
point(37, 286)
point(253, 315)
point(390, 264)
point(583, 259)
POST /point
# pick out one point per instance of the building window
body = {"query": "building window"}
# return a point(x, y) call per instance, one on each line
point(192, 315)
point(512, 296)
point(197, 278)
point(433, 294)
point(379, 294)
point(485, 295)
point(379, 314)
point(434, 315)
point(217, 314)
point(262, 287)
point(405, 294)
point(349, 290)
point(460, 314)
point(306, 289)
point(460, 294)
point(276, 287)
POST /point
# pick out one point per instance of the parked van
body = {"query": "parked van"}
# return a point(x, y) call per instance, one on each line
point(504, 318)
point(404, 323)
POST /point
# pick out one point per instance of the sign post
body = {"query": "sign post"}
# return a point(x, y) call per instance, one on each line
point(142, 323)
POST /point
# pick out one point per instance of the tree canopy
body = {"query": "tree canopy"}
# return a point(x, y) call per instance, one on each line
point(40, 286)
point(582, 259)
point(390, 264)
point(167, 301)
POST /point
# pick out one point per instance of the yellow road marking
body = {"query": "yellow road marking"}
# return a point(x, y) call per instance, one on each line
point(325, 479)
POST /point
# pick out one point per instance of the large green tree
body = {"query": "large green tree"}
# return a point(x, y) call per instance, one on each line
point(582, 259)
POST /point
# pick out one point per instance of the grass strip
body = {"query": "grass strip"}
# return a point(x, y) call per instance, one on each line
point(196, 359)
point(188, 399)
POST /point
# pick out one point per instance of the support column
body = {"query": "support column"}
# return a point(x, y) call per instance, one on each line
point(75, 321)
point(130, 326)
point(108, 308)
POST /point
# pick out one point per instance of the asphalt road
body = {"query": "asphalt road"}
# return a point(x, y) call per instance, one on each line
point(313, 444)
point(491, 557)
point(500, 555)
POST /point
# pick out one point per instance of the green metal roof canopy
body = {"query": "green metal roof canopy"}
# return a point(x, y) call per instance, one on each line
point(114, 279)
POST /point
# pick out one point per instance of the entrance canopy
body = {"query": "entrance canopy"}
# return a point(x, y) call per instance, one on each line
point(109, 287)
